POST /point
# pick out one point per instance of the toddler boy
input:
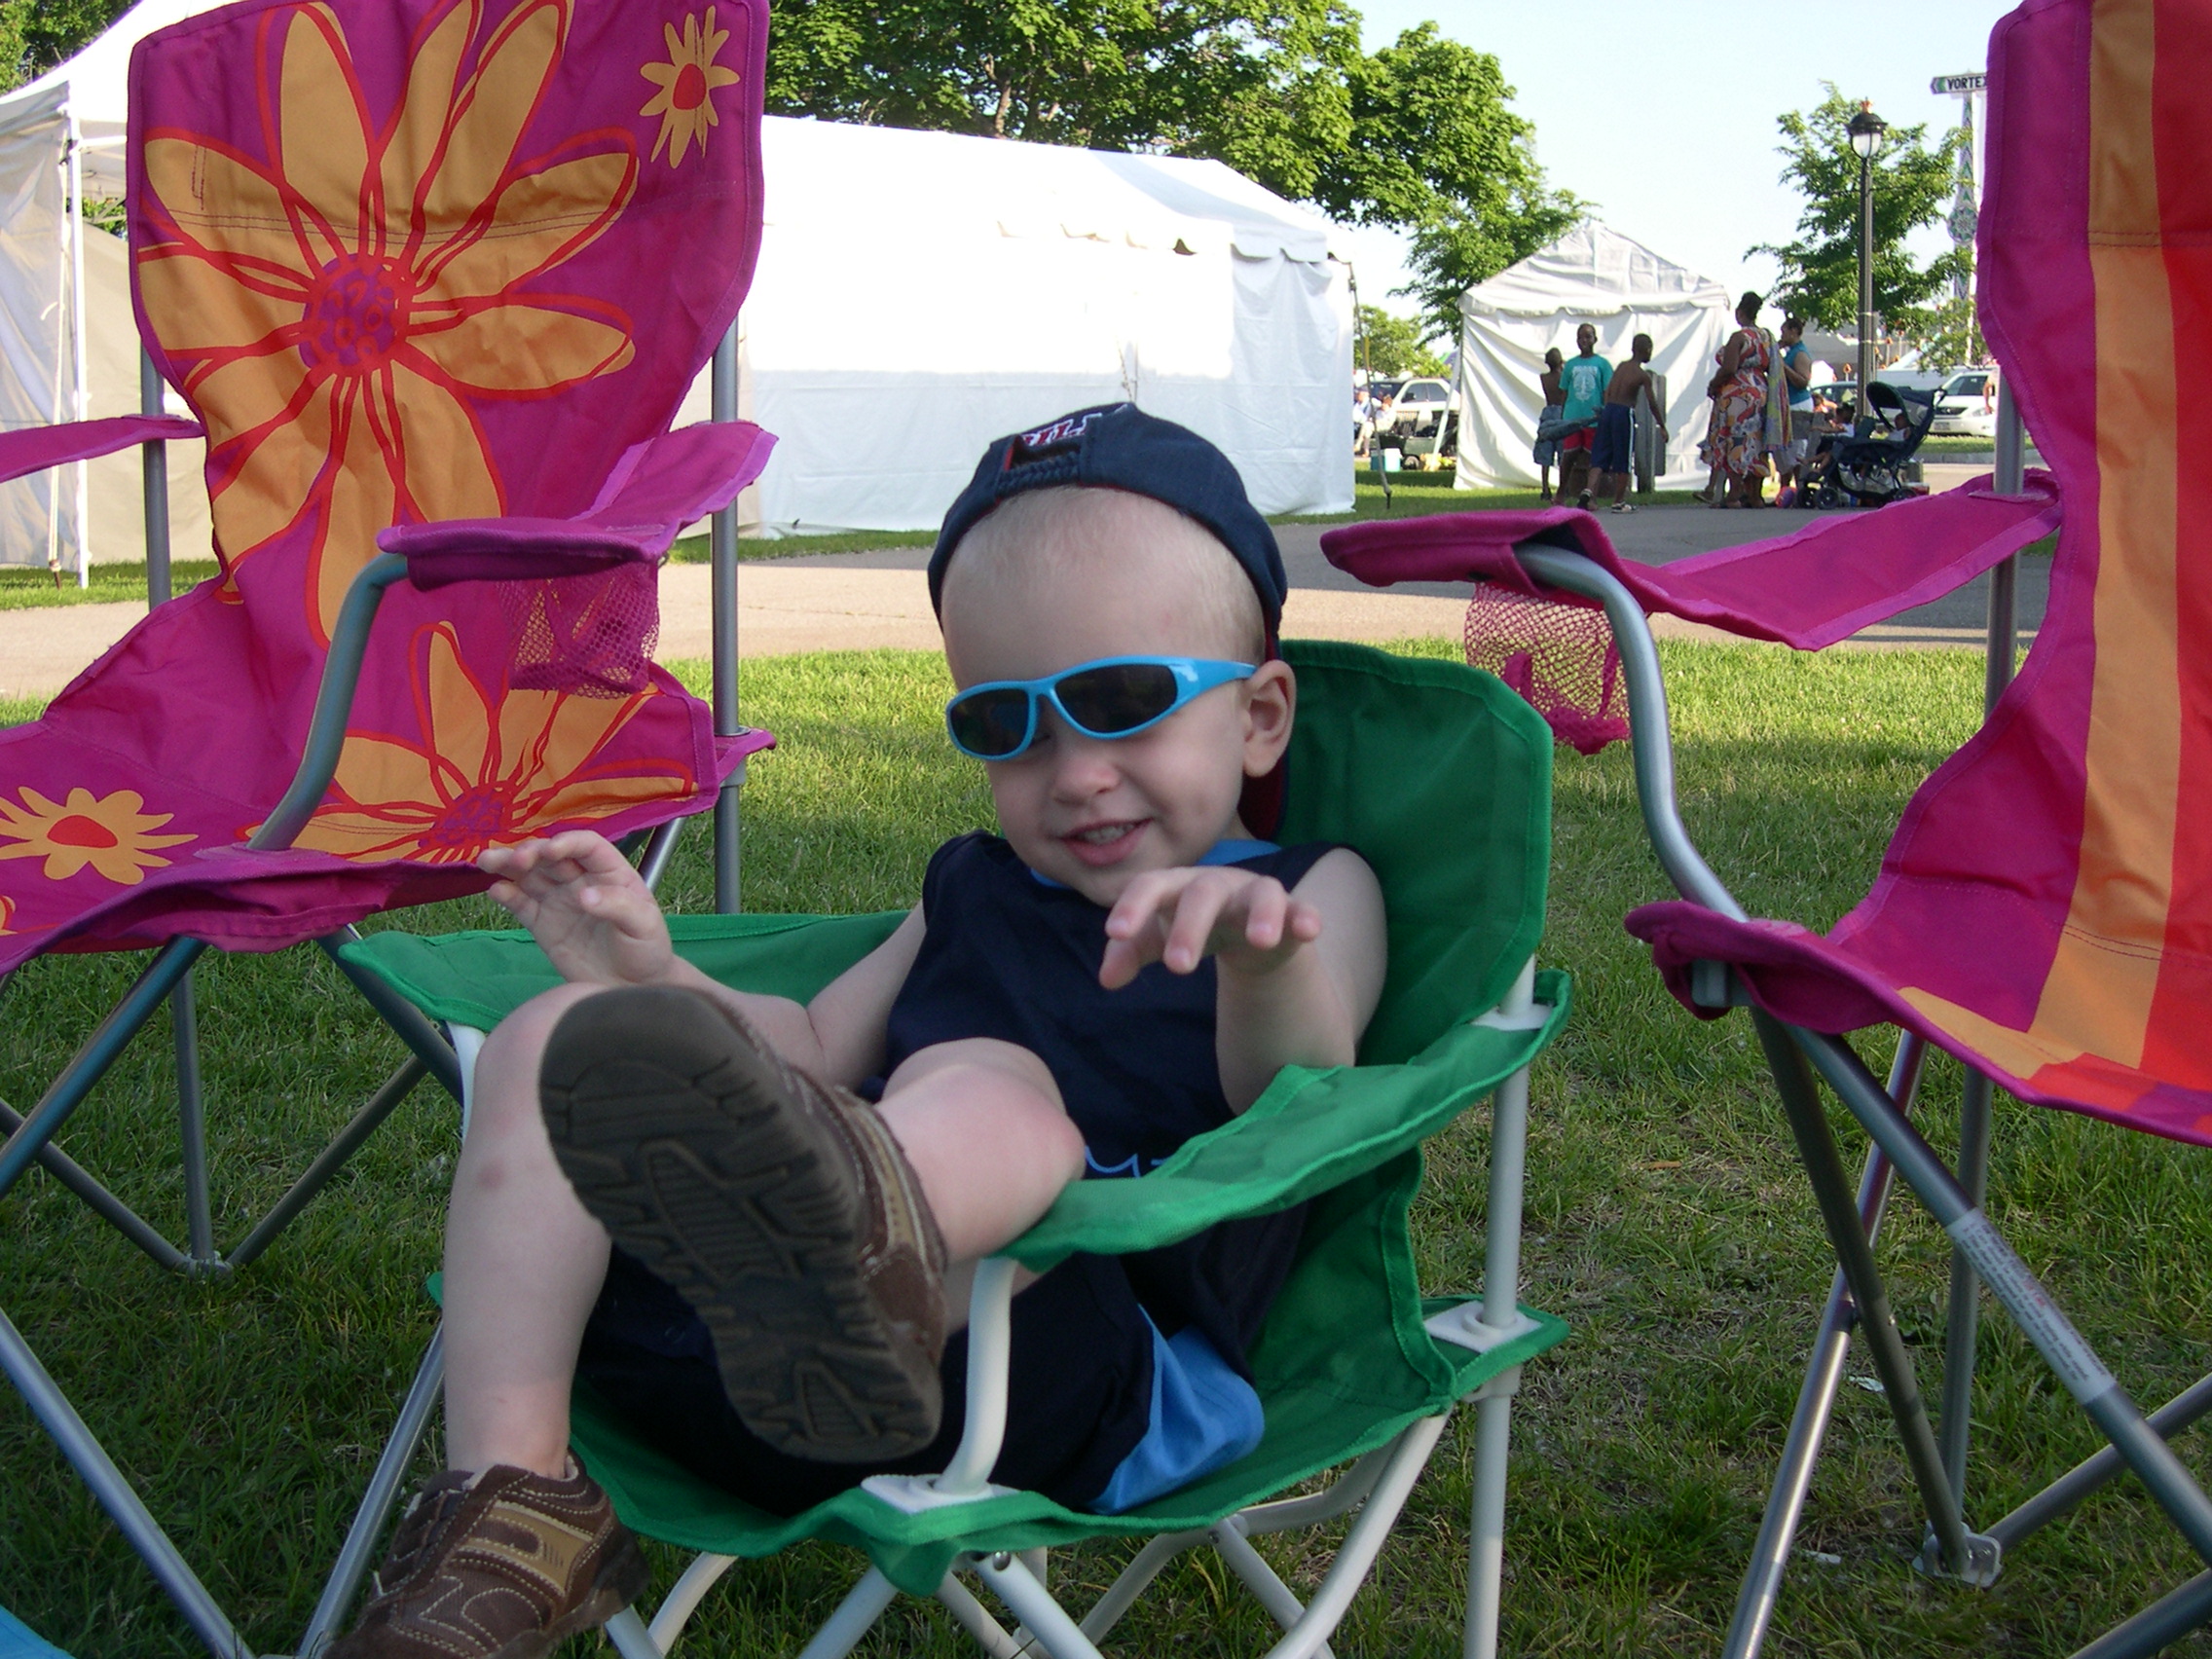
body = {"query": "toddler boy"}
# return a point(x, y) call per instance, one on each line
point(674, 1190)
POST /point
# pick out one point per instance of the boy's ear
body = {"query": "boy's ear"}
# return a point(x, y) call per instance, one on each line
point(1271, 704)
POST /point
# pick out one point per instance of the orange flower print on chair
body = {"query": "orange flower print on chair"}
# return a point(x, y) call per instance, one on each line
point(686, 80)
point(342, 308)
point(110, 835)
point(492, 765)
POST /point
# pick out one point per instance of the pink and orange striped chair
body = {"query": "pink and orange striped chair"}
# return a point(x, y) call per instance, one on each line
point(2045, 909)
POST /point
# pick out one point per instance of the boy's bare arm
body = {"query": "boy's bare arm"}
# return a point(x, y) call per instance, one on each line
point(1299, 973)
point(598, 924)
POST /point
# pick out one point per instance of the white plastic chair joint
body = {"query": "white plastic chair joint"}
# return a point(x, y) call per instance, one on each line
point(917, 1495)
point(1463, 1327)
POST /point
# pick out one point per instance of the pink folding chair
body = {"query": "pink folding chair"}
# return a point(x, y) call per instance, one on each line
point(434, 277)
point(2045, 909)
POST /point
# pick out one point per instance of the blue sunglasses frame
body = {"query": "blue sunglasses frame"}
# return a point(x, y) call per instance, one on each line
point(1194, 676)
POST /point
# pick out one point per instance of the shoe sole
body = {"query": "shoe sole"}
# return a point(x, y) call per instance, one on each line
point(677, 1136)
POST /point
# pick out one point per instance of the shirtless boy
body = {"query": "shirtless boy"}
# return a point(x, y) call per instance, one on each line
point(1610, 454)
point(684, 1193)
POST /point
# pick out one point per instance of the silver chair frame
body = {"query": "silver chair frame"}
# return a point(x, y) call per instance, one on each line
point(1857, 1301)
point(169, 979)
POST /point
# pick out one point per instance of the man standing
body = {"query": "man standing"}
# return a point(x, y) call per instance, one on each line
point(1610, 452)
point(1583, 379)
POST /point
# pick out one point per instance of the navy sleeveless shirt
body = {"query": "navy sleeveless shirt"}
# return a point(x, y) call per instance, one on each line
point(1011, 956)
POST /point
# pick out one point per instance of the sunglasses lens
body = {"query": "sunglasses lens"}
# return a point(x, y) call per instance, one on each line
point(990, 724)
point(1117, 697)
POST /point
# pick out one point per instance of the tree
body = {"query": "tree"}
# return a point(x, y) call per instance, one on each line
point(1912, 187)
point(37, 34)
point(1436, 149)
point(1419, 136)
point(1395, 344)
point(1257, 84)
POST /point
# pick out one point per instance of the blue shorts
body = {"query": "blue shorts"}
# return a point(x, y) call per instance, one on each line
point(1610, 453)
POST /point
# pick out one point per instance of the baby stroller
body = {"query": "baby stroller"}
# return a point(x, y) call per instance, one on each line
point(1865, 468)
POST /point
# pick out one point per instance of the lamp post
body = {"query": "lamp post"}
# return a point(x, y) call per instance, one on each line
point(1865, 129)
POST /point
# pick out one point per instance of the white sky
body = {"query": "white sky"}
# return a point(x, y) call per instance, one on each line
point(1663, 111)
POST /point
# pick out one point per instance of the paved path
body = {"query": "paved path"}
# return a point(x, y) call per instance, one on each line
point(863, 600)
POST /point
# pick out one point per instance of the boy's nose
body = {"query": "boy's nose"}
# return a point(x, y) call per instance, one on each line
point(1082, 766)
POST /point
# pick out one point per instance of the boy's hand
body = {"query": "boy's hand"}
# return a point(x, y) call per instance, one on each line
point(588, 911)
point(1179, 917)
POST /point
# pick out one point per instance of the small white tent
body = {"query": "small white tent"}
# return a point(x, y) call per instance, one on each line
point(921, 293)
point(1621, 288)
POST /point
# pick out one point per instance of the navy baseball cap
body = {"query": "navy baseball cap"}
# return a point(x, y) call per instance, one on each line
point(1118, 446)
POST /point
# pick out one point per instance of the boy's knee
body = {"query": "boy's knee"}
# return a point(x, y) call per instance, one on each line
point(506, 1083)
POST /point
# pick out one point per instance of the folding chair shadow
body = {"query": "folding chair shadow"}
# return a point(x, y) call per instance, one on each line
point(434, 277)
point(2044, 910)
point(1441, 779)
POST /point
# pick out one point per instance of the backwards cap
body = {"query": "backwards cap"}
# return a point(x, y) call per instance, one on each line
point(1118, 446)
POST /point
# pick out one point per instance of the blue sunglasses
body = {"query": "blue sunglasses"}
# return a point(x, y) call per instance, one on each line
point(1112, 697)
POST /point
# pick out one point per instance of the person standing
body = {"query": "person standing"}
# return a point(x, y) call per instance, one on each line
point(1583, 378)
point(1546, 451)
point(1793, 365)
point(1616, 422)
point(1735, 445)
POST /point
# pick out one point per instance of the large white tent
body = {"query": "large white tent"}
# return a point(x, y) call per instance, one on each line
point(917, 294)
point(920, 293)
point(1620, 287)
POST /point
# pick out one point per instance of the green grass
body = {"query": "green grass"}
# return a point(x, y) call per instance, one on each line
point(28, 590)
point(1665, 1221)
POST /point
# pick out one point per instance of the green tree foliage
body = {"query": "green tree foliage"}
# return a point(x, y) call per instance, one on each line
point(1393, 345)
point(1255, 82)
point(1912, 187)
point(1436, 149)
point(1419, 136)
point(37, 34)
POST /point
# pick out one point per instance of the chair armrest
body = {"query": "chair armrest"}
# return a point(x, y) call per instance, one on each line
point(656, 488)
point(34, 448)
point(1311, 1131)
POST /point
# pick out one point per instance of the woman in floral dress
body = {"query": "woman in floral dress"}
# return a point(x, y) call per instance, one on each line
point(1735, 443)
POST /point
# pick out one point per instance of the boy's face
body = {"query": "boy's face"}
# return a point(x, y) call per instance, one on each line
point(1092, 813)
point(1586, 340)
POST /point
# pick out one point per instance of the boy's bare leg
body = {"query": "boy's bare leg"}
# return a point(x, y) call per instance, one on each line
point(524, 1260)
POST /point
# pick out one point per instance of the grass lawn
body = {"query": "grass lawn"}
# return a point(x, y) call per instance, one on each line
point(1665, 1221)
point(32, 589)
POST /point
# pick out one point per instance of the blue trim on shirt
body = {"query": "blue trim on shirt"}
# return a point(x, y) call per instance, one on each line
point(1204, 1416)
point(1229, 850)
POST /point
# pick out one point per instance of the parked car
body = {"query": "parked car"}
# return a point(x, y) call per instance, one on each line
point(1422, 406)
point(1965, 405)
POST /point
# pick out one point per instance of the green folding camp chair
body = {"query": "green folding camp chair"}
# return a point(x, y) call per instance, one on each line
point(1442, 779)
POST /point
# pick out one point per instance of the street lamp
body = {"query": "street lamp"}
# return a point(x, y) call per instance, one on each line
point(1865, 129)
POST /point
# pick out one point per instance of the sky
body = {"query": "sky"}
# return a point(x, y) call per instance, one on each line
point(1663, 112)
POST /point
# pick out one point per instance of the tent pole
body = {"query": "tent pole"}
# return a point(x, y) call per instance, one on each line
point(83, 399)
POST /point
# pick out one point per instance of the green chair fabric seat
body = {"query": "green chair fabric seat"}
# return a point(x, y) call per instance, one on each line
point(1440, 777)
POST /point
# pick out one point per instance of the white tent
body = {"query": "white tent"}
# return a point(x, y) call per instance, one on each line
point(1620, 287)
point(921, 293)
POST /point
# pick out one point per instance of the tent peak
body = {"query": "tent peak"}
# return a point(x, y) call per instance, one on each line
point(1593, 270)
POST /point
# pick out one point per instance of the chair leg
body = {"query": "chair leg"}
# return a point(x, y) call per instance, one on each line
point(333, 1158)
point(191, 1132)
point(1816, 1399)
point(975, 1619)
point(360, 1547)
point(684, 1596)
point(1486, 1528)
point(96, 1197)
point(1011, 1581)
point(2099, 1470)
point(2053, 1335)
point(2163, 1623)
point(1823, 1169)
point(130, 1514)
point(1963, 1313)
point(854, 1617)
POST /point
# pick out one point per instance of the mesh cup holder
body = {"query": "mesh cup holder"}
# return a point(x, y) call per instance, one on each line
point(591, 636)
point(1559, 655)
